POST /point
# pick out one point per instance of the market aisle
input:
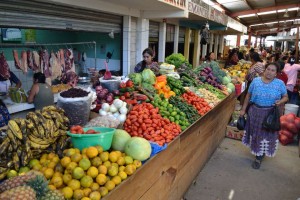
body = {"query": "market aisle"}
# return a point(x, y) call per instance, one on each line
point(229, 175)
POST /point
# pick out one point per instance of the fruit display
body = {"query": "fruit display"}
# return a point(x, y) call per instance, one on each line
point(210, 97)
point(190, 112)
point(170, 112)
point(79, 130)
point(59, 88)
point(238, 72)
point(199, 103)
point(91, 173)
point(145, 121)
point(41, 131)
point(219, 93)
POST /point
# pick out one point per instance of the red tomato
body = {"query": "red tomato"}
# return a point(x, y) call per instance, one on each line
point(90, 131)
point(122, 98)
point(129, 83)
point(122, 85)
point(127, 94)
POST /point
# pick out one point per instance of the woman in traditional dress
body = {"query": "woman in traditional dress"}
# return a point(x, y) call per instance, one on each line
point(264, 92)
point(147, 62)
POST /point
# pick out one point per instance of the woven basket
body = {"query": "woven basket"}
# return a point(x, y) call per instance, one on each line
point(112, 84)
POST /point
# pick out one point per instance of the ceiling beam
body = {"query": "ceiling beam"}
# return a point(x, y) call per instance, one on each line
point(275, 27)
point(274, 20)
point(272, 8)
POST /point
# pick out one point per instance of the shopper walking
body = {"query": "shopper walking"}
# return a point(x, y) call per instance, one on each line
point(291, 69)
point(264, 92)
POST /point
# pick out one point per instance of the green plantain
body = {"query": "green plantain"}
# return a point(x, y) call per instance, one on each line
point(4, 145)
point(16, 161)
point(13, 126)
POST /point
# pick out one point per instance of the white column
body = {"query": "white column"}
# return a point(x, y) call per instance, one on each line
point(221, 49)
point(126, 44)
point(211, 42)
point(281, 48)
point(162, 41)
point(196, 54)
point(176, 39)
point(142, 38)
point(286, 47)
point(204, 50)
point(216, 45)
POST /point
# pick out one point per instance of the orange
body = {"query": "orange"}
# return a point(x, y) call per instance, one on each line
point(94, 186)
point(51, 165)
point(86, 181)
point(51, 155)
point(102, 169)
point(84, 163)
point(67, 192)
point(117, 180)
point(92, 152)
point(104, 156)
point(55, 159)
point(112, 170)
point(76, 157)
point(74, 184)
point(57, 181)
point(128, 160)
point(77, 173)
point(103, 191)
point(110, 185)
point(51, 187)
point(87, 191)
point(77, 150)
point(65, 161)
point(70, 152)
point(48, 173)
point(92, 172)
point(95, 195)
point(99, 148)
point(78, 194)
point(101, 179)
point(67, 178)
point(121, 161)
point(113, 157)
point(137, 163)
point(122, 175)
point(83, 151)
point(96, 161)
point(71, 166)
point(57, 174)
point(129, 169)
point(107, 164)
point(121, 168)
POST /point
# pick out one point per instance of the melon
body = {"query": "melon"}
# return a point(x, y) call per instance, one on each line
point(120, 139)
point(231, 86)
point(138, 148)
point(225, 80)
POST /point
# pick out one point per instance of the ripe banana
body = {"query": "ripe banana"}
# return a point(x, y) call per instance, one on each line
point(4, 145)
point(12, 138)
point(39, 140)
point(16, 161)
point(13, 126)
point(38, 146)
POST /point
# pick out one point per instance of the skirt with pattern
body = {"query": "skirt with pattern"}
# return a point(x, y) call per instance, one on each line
point(260, 140)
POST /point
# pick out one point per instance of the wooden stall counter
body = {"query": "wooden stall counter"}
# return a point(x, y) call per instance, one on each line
point(169, 174)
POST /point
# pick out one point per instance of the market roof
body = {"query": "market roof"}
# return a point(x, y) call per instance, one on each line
point(263, 17)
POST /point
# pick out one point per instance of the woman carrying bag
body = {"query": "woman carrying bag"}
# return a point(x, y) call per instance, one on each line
point(264, 92)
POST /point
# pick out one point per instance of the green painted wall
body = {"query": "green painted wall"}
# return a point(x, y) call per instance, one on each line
point(54, 36)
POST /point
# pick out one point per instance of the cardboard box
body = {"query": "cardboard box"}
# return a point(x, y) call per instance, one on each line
point(234, 133)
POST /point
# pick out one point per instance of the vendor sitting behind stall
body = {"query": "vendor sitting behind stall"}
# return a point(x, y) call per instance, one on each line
point(70, 78)
point(6, 83)
point(40, 93)
point(147, 62)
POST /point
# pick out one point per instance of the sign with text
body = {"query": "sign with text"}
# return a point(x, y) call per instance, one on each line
point(198, 7)
point(218, 16)
point(232, 23)
point(177, 3)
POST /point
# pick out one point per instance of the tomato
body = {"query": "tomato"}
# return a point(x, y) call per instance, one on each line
point(90, 131)
point(122, 85)
point(73, 131)
point(122, 98)
point(129, 83)
point(127, 94)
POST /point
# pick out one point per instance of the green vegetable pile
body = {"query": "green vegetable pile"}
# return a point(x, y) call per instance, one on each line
point(219, 94)
point(148, 76)
point(177, 59)
point(216, 70)
point(187, 81)
point(191, 112)
point(136, 78)
point(175, 85)
point(167, 110)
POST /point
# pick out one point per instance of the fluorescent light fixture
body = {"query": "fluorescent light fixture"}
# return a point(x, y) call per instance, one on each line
point(290, 20)
point(250, 15)
point(256, 24)
point(223, 1)
point(286, 14)
point(271, 23)
point(267, 13)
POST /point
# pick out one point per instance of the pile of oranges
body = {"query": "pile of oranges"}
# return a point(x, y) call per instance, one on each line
point(88, 174)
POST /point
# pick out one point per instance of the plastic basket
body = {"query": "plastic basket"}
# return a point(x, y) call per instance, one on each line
point(104, 138)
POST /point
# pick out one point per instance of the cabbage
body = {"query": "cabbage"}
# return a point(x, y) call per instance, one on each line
point(120, 139)
point(229, 78)
point(138, 148)
point(229, 90)
point(231, 86)
point(148, 76)
point(225, 80)
point(136, 78)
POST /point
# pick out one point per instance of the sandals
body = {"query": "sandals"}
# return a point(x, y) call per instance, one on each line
point(256, 164)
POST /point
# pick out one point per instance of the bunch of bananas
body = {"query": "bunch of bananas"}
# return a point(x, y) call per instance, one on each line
point(41, 132)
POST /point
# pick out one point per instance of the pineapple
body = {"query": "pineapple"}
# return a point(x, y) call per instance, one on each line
point(19, 193)
point(18, 180)
point(53, 195)
point(39, 184)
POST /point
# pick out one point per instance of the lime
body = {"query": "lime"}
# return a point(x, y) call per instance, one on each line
point(172, 119)
point(170, 106)
point(177, 117)
point(174, 113)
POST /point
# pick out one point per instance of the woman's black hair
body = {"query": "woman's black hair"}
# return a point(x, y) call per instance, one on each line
point(281, 64)
point(40, 77)
point(275, 64)
point(150, 52)
point(2, 103)
point(207, 57)
point(255, 56)
point(291, 60)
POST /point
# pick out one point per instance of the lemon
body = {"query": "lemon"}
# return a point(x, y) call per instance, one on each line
point(67, 192)
point(103, 191)
point(95, 195)
point(92, 172)
point(77, 173)
point(117, 179)
point(74, 184)
point(96, 161)
point(99, 148)
point(86, 181)
point(33, 162)
point(76, 157)
point(48, 173)
point(87, 191)
point(57, 181)
point(71, 166)
point(107, 164)
point(128, 160)
point(121, 161)
point(67, 178)
point(104, 156)
point(121, 168)
point(137, 163)
point(102, 169)
point(84, 163)
point(110, 185)
point(112, 170)
point(123, 175)
point(78, 194)
point(94, 186)
point(101, 179)
point(113, 157)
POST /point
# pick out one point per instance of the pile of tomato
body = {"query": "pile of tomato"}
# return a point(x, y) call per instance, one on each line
point(77, 129)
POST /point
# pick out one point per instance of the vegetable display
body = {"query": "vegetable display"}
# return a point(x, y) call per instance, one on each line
point(170, 112)
point(117, 109)
point(219, 94)
point(175, 85)
point(206, 75)
point(290, 126)
point(177, 59)
point(211, 98)
point(103, 95)
point(145, 121)
point(190, 112)
point(162, 87)
point(74, 93)
point(199, 103)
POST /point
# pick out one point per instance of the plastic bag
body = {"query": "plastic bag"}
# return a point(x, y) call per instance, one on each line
point(76, 109)
point(241, 123)
point(272, 120)
point(156, 148)
point(103, 121)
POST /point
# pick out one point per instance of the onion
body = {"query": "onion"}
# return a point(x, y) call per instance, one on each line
point(99, 88)
point(122, 118)
point(118, 103)
point(105, 107)
point(113, 108)
point(102, 112)
point(109, 99)
point(123, 110)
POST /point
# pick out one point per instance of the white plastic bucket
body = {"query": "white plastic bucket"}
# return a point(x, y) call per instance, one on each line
point(291, 108)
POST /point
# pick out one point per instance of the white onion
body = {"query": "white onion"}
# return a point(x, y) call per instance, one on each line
point(105, 107)
point(123, 110)
point(118, 103)
point(102, 112)
point(122, 118)
point(113, 108)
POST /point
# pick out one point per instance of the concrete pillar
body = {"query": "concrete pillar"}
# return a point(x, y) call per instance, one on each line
point(216, 45)
point(176, 39)
point(238, 40)
point(126, 44)
point(286, 47)
point(282, 46)
point(196, 54)
point(204, 51)
point(221, 49)
point(162, 41)
point(142, 38)
point(255, 43)
point(211, 42)
point(187, 40)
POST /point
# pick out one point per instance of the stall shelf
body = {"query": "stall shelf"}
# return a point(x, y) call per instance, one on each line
point(169, 174)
